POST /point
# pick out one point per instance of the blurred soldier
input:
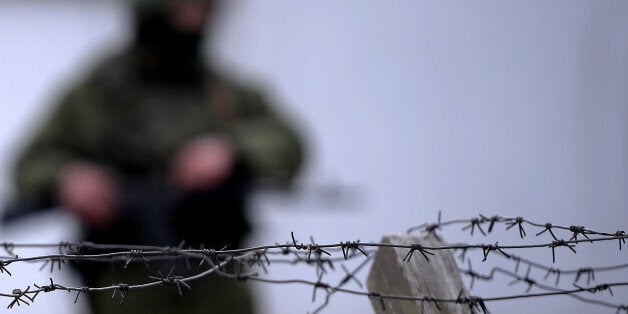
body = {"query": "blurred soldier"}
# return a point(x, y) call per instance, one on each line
point(154, 147)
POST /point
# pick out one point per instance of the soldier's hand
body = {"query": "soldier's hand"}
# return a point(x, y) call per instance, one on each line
point(89, 191)
point(203, 163)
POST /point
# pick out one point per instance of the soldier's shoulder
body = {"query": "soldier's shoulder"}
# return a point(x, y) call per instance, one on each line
point(243, 87)
point(105, 84)
point(112, 72)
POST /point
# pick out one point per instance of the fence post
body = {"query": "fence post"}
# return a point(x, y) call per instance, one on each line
point(438, 278)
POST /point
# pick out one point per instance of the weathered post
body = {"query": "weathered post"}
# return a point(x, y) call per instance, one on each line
point(439, 277)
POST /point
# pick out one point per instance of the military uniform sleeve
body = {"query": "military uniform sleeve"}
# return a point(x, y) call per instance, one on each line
point(53, 145)
point(268, 145)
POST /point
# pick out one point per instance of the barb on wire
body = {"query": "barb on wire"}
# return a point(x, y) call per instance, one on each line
point(560, 243)
point(486, 249)
point(474, 303)
point(84, 290)
point(431, 228)
point(350, 248)
point(317, 285)
point(18, 296)
point(510, 222)
point(518, 262)
point(601, 287)
point(212, 256)
point(349, 275)
point(553, 271)
point(122, 291)
point(58, 260)
point(578, 272)
point(3, 267)
point(48, 288)
point(492, 220)
point(578, 230)
point(548, 227)
point(260, 259)
point(172, 280)
point(421, 249)
point(430, 300)
point(475, 222)
point(589, 273)
point(9, 247)
point(529, 281)
point(471, 274)
point(621, 237)
point(549, 290)
point(136, 253)
point(462, 254)
point(517, 222)
point(380, 297)
point(323, 256)
point(313, 247)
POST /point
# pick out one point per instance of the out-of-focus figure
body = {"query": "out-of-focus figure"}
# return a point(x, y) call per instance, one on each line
point(152, 148)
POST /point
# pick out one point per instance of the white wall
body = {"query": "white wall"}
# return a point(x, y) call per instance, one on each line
point(515, 108)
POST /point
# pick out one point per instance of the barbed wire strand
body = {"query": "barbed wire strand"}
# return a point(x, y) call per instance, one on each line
point(323, 257)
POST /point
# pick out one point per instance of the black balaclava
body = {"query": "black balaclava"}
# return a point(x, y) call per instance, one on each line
point(166, 55)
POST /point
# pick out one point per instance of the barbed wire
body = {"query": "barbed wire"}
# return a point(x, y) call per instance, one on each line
point(324, 256)
point(510, 222)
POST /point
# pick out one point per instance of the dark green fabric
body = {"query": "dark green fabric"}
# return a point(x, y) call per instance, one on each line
point(213, 294)
point(134, 127)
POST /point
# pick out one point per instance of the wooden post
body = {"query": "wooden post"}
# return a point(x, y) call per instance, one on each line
point(438, 278)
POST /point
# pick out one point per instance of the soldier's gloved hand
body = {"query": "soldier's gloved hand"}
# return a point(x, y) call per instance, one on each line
point(89, 191)
point(203, 163)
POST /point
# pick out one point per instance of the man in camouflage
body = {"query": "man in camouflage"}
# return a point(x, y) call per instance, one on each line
point(152, 148)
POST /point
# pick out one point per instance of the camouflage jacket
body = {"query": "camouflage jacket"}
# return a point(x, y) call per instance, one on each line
point(134, 127)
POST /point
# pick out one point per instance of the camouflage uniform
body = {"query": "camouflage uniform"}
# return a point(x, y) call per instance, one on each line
point(134, 127)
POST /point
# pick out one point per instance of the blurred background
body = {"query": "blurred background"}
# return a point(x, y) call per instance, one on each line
point(409, 107)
